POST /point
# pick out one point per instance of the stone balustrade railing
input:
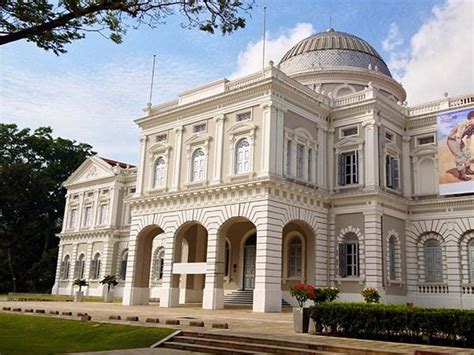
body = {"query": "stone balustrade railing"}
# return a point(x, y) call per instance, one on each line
point(433, 288)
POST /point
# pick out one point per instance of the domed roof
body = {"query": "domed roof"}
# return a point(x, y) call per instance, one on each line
point(332, 49)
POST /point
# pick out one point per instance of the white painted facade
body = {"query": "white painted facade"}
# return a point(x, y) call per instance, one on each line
point(309, 175)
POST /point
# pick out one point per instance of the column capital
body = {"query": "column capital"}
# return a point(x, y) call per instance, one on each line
point(179, 129)
point(143, 138)
point(220, 118)
point(406, 138)
point(371, 123)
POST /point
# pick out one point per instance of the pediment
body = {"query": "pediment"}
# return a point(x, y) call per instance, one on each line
point(197, 138)
point(158, 147)
point(349, 142)
point(241, 127)
point(304, 133)
point(424, 150)
point(390, 147)
point(93, 168)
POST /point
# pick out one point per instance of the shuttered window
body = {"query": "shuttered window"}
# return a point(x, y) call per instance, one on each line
point(433, 261)
point(123, 266)
point(198, 165)
point(348, 168)
point(159, 173)
point(242, 157)
point(392, 172)
point(295, 258)
point(392, 258)
point(349, 257)
point(94, 272)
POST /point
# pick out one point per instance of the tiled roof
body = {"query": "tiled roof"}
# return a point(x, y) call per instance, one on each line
point(119, 163)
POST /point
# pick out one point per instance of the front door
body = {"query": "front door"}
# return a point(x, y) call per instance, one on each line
point(250, 250)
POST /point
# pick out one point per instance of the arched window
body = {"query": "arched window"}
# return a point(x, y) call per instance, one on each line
point(159, 173)
point(198, 165)
point(393, 262)
point(81, 264)
point(158, 265)
point(471, 260)
point(94, 273)
point(123, 266)
point(65, 265)
point(349, 256)
point(242, 156)
point(295, 258)
point(433, 261)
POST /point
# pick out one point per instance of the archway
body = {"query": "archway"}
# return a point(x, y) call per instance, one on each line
point(138, 276)
point(190, 256)
point(298, 255)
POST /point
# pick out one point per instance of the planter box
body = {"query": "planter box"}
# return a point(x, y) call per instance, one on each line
point(109, 296)
point(78, 296)
point(301, 319)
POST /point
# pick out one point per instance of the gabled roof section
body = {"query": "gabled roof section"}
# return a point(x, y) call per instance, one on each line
point(94, 168)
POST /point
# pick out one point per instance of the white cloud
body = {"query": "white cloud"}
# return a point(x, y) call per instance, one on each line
point(394, 39)
point(94, 105)
point(250, 60)
point(441, 54)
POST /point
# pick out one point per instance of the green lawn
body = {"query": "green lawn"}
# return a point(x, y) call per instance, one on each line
point(23, 334)
point(46, 297)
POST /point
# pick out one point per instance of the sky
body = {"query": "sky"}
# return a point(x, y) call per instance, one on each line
point(93, 93)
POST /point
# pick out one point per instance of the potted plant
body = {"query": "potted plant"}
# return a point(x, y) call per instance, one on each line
point(371, 295)
point(79, 294)
point(301, 293)
point(110, 281)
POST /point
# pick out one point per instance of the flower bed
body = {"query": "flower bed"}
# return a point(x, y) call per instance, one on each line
point(441, 326)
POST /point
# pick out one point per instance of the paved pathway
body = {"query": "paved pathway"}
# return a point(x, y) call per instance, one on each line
point(241, 321)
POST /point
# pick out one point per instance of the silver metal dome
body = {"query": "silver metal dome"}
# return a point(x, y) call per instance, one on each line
point(332, 49)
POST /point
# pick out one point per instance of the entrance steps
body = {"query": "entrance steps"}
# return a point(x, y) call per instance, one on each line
point(244, 297)
point(214, 343)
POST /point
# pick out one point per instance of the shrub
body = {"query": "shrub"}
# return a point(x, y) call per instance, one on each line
point(371, 295)
point(326, 294)
point(441, 326)
point(302, 293)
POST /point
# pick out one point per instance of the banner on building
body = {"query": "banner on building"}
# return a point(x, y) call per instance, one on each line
point(456, 152)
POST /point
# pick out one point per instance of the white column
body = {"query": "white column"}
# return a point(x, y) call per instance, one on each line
point(141, 167)
point(406, 170)
point(87, 269)
point(453, 276)
point(217, 179)
point(116, 194)
point(267, 293)
point(280, 137)
point(55, 289)
point(269, 143)
point(72, 266)
point(177, 158)
point(373, 248)
point(321, 161)
point(66, 215)
point(107, 259)
point(331, 158)
point(371, 154)
point(170, 283)
point(214, 288)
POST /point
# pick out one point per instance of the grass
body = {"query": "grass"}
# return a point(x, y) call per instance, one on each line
point(23, 334)
point(47, 297)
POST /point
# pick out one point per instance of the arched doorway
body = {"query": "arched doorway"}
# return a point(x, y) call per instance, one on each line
point(190, 257)
point(250, 253)
point(137, 289)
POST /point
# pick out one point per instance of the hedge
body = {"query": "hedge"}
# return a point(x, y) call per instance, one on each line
point(441, 326)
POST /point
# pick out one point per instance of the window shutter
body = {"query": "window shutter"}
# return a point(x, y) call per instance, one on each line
point(340, 166)
point(357, 167)
point(76, 269)
point(92, 269)
point(342, 260)
point(388, 171)
point(358, 262)
point(396, 173)
point(97, 275)
point(62, 271)
point(123, 269)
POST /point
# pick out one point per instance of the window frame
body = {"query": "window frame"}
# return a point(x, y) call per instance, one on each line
point(245, 161)
point(427, 249)
point(349, 240)
point(156, 185)
point(354, 173)
point(417, 140)
point(346, 128)
point(204, 167)
point(392, 172)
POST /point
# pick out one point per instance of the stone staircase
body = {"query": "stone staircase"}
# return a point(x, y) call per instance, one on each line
point(244, 298)
point(215, 343)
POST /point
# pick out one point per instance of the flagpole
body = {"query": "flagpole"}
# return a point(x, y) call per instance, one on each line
point(264, 36)
point(152, 77)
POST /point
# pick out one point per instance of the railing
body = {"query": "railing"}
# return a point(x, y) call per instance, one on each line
point(248, 80)
point(468, 289)
point(352, 99)
point(433, 288)
point(441, 104)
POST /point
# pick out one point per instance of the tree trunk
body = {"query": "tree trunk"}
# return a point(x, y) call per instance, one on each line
point(12, 271)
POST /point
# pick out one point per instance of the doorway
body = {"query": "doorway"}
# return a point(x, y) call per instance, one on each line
point(250, 251)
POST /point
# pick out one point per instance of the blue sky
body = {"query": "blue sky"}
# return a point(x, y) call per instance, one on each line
point(93, 92)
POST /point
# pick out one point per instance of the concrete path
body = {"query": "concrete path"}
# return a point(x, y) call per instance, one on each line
point(241, 321)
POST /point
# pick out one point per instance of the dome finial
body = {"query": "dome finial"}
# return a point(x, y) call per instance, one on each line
point(330, 29)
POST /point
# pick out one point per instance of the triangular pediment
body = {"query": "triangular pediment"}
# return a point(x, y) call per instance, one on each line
point(93, 168)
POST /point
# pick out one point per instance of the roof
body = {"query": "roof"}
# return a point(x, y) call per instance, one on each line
point(332, 49)
point(119, 163)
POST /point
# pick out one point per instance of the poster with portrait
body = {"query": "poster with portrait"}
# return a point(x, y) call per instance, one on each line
point(456, 152)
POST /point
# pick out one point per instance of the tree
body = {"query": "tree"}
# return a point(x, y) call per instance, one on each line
point(33, 166)
point(51, 25)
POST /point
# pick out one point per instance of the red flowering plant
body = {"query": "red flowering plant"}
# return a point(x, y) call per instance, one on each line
point(302, 293)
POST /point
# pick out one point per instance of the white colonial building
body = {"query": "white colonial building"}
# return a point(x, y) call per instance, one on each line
point(314, 170)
